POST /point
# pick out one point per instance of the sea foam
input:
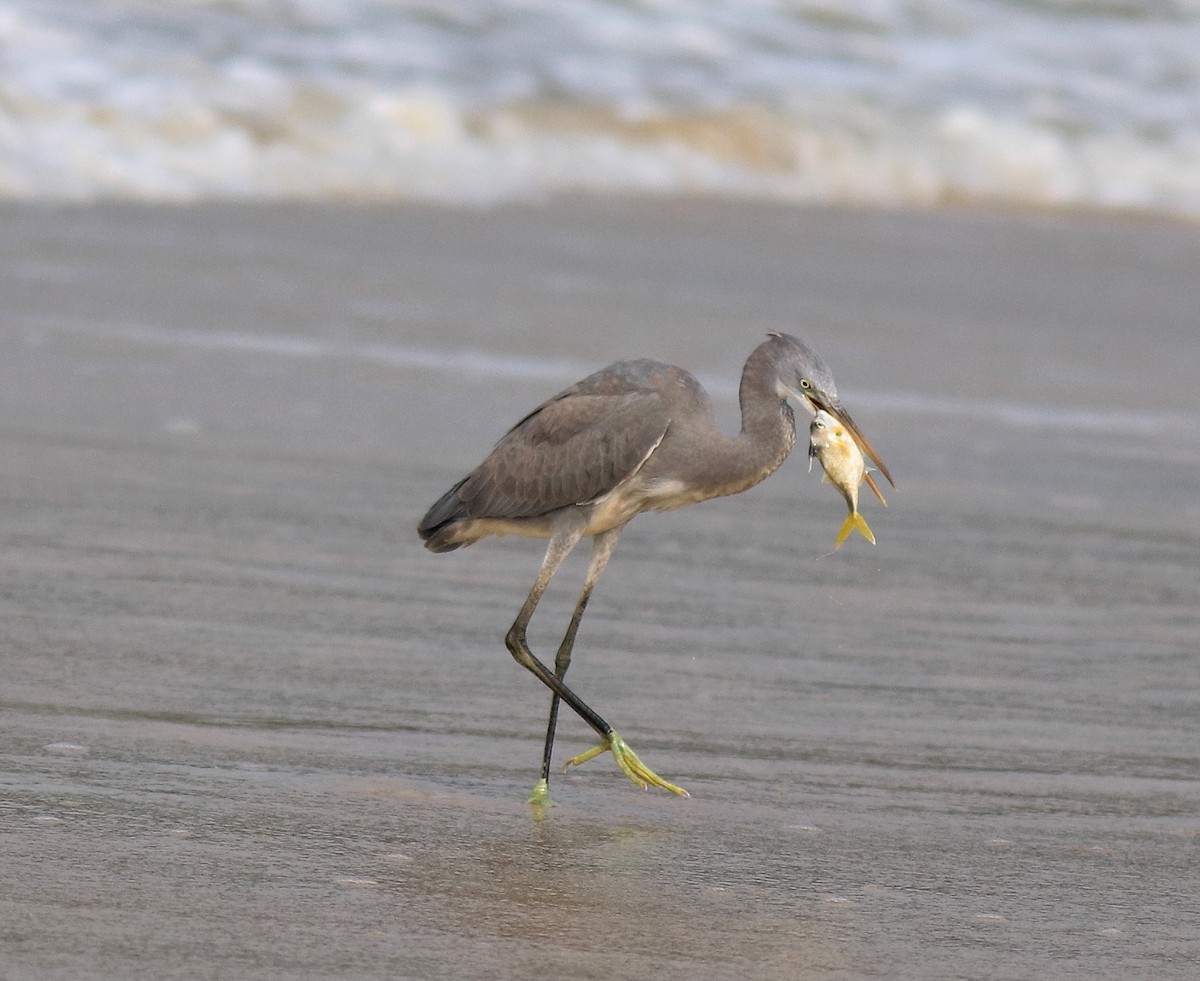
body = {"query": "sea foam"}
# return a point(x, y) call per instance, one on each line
point(881, 103)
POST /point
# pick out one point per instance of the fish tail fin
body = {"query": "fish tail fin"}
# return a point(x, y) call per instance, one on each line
point(853, 521)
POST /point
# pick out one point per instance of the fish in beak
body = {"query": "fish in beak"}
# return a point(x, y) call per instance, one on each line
point(841, 415)
point(845, 468)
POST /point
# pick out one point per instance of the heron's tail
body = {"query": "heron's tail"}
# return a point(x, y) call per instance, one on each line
point(437, 528)
point(854, 520)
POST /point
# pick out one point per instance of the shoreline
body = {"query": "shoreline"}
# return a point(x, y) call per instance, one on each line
point(590, 200)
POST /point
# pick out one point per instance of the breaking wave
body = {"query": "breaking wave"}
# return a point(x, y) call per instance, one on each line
point(1062, 103)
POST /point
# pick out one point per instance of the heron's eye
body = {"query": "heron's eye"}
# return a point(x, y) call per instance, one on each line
point(805, 383)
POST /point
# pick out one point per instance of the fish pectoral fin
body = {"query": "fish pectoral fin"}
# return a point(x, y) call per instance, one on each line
point(875, 487)
point(853, 521)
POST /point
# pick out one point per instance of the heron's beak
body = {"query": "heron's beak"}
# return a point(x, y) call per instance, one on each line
point(842, 416)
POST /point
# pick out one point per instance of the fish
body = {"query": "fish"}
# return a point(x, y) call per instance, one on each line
point(844, 467)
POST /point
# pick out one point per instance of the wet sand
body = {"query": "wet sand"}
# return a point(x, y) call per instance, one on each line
point(252, 729)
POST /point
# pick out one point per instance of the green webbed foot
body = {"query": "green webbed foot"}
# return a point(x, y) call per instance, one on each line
point(628, 761)
point(540, 795)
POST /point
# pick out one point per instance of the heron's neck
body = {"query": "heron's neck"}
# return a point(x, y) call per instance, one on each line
point(768, 425)
point(704, 462)
point(731, 464)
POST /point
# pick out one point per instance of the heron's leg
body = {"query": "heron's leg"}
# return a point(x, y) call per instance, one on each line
point(560, 546)
point(602, 549)
point(626, 758)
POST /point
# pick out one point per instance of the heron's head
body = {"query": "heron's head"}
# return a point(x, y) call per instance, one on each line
point(804, 378)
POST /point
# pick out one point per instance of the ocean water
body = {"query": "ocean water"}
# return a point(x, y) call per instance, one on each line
point(1066, 103)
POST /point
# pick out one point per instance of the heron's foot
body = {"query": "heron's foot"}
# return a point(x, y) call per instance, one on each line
point(540, 795)
point(628, 761)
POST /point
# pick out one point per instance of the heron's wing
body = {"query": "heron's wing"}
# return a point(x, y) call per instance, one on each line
point(572, 449)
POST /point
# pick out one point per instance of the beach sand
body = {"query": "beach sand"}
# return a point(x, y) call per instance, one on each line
point(252, 729)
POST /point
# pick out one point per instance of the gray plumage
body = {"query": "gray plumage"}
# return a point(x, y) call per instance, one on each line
point(570, 451)
point(635, 436)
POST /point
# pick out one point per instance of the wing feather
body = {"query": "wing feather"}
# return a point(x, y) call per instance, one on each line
point(572, 449)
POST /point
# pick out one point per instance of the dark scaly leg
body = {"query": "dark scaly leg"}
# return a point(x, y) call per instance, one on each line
point(559, 548)
point(602, 549)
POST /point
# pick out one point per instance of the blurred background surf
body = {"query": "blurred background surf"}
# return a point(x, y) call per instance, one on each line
point(1091, 104)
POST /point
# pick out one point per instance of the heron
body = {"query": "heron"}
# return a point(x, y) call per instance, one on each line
point(636, 436)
